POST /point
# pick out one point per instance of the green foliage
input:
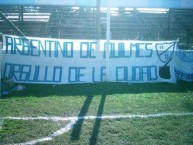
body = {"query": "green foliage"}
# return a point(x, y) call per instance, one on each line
point(6, 84)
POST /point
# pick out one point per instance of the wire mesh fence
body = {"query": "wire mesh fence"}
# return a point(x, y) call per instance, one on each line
point(90, 22)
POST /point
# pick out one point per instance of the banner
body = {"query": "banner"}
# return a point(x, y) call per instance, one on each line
point(183, 60)
point(62, 61)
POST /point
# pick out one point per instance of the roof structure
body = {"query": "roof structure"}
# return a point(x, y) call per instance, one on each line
point(89, 20)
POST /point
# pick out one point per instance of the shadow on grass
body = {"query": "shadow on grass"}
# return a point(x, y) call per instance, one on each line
point(75, 135)
point(76, 131)
point(100, 88)
point(95, 131)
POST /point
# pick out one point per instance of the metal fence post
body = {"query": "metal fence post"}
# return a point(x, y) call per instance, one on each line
point(107, 40)
point(0, 61)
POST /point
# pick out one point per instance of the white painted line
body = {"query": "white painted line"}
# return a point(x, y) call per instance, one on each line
point(43, 118)
point(35, 141)
point(101, 117)
point(52, 136)
point(73, 120)
point(1, 123)
point(63, 130)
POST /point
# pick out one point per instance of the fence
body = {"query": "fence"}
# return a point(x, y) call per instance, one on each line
point(71, 22)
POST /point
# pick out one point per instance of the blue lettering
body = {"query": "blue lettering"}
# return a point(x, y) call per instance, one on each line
point(50, 42)
point(16, 68)
point(58, 46)
point(144, 73)
point(37, 74)
point(152, 73)
point(93, 75)
point(136, 71)
point(79, 75)
point(122, 51)
point(75, 74)
point(88, 48)
point(72, 77)
point(148, 50)
point(119, 53)
point(41, 48)
point(33, 47)
point(7, 70)
point(137, 74)
point(9, 43)
point(92, 48)
point(57, 72)
point(25, 47)
point(25, 73)
point(85, 45)
point(45, 76)
point(103, 74)
point(142, 49)
point(17, 43)
point(119, 73)
point(68, 48)
point(111, 49)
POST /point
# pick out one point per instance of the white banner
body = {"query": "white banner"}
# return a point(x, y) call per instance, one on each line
point(184, 64)
point(61, 61)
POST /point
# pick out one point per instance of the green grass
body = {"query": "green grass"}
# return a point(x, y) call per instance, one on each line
point(17, 131)
point(154, 131)
point(101, 99)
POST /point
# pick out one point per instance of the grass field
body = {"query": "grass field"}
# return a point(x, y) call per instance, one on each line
point(102, 99)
